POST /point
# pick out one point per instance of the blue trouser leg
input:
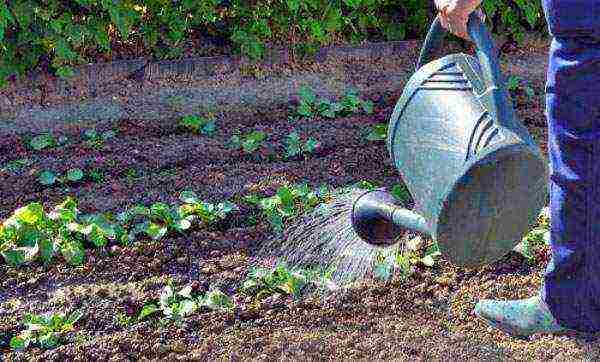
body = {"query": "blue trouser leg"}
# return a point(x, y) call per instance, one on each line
point(571, 286)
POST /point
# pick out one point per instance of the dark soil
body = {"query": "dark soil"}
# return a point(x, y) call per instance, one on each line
point(426, 317)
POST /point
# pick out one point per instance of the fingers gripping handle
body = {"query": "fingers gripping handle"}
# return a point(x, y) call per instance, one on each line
point(483, 41)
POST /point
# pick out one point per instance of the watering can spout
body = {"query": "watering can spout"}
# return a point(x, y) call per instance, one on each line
point(379, 220)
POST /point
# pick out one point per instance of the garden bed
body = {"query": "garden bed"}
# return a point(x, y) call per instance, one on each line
point(152, 158)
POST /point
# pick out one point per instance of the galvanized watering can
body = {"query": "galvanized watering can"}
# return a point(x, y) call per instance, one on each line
point(476, 175)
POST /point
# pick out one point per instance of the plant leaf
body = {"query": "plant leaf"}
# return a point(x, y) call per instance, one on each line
point(47, 178)
point(75, 174)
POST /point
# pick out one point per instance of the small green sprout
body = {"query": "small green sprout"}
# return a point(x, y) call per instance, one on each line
point(45, 331)
point(198, 124)
point(96, 140)
point(249, 142)
point(49, 178)
point(377, 132)
point(176, 305)
point(262, 282)
point(294, 146)
point(43, 141)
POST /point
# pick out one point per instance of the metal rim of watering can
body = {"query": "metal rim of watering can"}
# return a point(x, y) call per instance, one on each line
point(483, 42)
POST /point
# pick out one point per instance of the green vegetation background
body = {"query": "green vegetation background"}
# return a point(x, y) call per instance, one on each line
point(56, 35)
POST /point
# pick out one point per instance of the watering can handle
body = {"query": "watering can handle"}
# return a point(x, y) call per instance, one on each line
point(483, 41)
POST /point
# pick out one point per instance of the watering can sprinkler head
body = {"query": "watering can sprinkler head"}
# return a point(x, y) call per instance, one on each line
point(379, 220)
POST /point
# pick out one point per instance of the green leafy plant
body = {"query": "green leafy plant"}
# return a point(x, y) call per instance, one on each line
point(48, 178)
point(45, 331)
point(536, 239)
point(294, 146)
point(96, 140)
point(163, 218)
point(96, 175)
point(263, 282)
point(516, 84)
point(377, 132)
point(309, 105)
point(288, 202)
point(198, 124)
point(401, 193)
point(30, 234)
point(15, 166)
point(249, 142)
point(402, 259)
point(208, 213)
point(215, 299)
point(176, 305)
point(43, 141)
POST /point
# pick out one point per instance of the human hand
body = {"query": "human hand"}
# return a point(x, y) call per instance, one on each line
point(454, 15)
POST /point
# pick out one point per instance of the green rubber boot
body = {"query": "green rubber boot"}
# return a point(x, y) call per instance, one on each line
point(519, 318)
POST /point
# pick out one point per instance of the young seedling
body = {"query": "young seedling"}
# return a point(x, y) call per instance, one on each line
point(310, 106)
point(49, 178)
point(163, 218)
point(46, 330)
point(43, 141)
point(96, 175)
point(199, 125)
point(401, 193)
point(328, 109)
point(16, 166)
point(294, 147)
point(96, 140)
point(534, 241)
point(515, 83)
point(351, 103)
point(208, 213)
point(174, 305)
point(307, 102)
point(377, 132)
point(288, 202)
point(249, 143)
point(178, 305)
point(262, 282)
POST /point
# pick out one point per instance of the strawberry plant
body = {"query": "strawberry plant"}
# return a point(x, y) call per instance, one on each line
point(15, 166)
point(377, 132)
point(96, 140)
point(162, 218)
point(263, 282)
point(309, 105)
point(288, 202)
point(178, 305)
point(401, 193)
point(43, 141)
point(249, 142)
point(208, 213)
point(294, 146)
point(30, 234)
point(45, 331)
point(198, 124)
point(173, 305)
point(48, 178)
